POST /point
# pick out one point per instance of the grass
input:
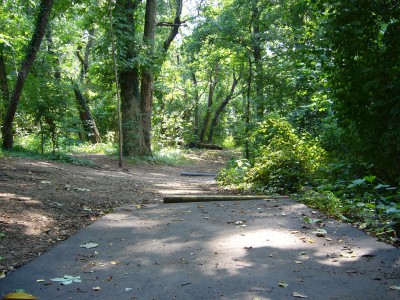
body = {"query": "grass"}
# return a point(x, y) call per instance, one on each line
point(163, 156)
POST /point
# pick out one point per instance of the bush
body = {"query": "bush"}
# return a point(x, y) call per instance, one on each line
point(235, 174)
point(286, 162)
point(283, 161)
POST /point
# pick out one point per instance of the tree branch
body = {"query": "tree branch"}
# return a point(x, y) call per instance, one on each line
point(174, 26)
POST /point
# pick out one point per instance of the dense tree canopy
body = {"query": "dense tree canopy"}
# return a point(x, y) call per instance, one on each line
point(207, 72)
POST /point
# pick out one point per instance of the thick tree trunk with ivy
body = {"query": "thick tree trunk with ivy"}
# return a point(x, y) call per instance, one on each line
point(124, 25)
point(39, 31)
point(147, 80)
point(137, 87)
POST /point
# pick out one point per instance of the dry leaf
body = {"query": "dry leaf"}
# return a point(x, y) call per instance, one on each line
point(395, 287)
point(283, 284)
point(298, 295)
point(89, 245)
point(67, 279)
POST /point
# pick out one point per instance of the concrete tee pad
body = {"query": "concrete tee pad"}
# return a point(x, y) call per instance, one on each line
point(260, 249)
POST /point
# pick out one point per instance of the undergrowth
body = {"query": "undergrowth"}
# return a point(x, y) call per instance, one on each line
point(287, 162)
point(72, 155)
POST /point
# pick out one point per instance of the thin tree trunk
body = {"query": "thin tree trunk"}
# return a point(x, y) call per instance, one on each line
point(196, 107)
point(88, 123)
point(259, 103)
point(207, 116)
point(175, 26)
point(40, 28)
point(221, 108)
point(3, 79)
point(247, 112)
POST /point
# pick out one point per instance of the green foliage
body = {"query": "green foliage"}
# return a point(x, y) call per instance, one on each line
point(327, 202)
point(366, 202)
point(284, 161)
point(235, 174)
point(19, 151)
point(162, 156)
point(364, 79)
point(99, 148)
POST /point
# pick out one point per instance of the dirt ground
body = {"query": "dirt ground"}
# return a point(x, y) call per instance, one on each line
point(44, 202)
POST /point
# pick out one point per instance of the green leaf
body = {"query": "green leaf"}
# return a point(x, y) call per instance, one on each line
point(370, 178)
point(381, 186)
point(356, 182)
point(311, 220)
point(392, 210)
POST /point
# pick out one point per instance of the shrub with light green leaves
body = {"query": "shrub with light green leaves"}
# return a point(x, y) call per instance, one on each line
point(285, 161)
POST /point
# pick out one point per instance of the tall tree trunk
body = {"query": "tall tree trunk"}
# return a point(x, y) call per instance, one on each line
point(147, 79)
point(137, 106)
point(39, 31)
point(124, 22)
point(221, 108)
point(133, 143)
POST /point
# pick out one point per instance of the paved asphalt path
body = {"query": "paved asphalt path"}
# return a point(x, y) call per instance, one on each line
point(252, 250)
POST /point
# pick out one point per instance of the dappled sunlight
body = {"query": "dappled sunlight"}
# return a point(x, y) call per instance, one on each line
point(341, 257)
point(26, 199)
point(258, 238)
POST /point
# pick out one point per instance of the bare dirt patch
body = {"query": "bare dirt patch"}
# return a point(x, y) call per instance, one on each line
point(43, 202)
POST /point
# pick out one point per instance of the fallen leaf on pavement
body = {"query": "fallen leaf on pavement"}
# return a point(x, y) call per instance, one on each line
point(283, 284)
point(320, 232)
point(89, 245)
point(298, 295)
point(67, 279)
point(395, 287)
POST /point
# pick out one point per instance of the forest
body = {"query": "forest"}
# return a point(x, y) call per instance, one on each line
point(307, 90)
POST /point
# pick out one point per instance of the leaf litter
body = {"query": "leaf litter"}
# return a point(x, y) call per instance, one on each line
point(67, 279)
